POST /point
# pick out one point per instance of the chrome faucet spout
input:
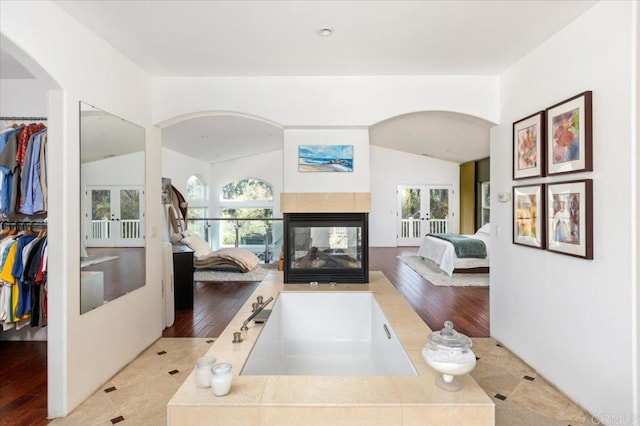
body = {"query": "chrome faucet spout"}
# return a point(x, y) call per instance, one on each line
point(253, 315)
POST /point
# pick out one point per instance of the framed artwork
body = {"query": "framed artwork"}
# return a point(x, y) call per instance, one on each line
point(325, 158)
point(569, 136)
point(528, 214)
point(166, 190)
point(529, 146)
point(570, 218)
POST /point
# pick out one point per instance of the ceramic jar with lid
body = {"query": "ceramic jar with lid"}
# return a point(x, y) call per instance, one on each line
point(449, 353)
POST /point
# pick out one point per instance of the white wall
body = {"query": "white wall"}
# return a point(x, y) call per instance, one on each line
point(23, 98)
point(570, 318)
point(121, 170)
point(179, 168)
point(266, 166)
point(391, 168)
point(85, 351)
point(356, 181)
point(326, 101)
point(636, 257)
point(325, 109)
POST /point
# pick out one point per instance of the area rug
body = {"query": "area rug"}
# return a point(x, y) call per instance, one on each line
point(94, 260)
point(257, 274)
point(430, 271)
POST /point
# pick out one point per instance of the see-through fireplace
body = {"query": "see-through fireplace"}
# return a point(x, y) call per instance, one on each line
point(326, 247)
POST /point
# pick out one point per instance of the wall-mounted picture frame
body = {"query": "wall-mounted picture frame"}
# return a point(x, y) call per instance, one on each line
point(166, 190)
point(570, 218)
point(570, 135)
point(529, 146)
point(528, 215)
point(325, 158)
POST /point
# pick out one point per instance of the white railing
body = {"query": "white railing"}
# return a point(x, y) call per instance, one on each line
point(100, 229)
point(418, 228)
point(129, 229)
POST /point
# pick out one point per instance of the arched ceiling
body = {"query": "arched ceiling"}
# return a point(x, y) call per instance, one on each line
point(439, 134)
point(222, 137)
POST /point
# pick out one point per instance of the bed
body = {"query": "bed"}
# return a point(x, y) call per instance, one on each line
point(443, 254)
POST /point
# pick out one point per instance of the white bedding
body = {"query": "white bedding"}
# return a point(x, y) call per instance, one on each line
point(443, 253)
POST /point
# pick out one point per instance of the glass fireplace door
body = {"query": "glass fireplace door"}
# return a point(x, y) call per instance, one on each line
point(326, 248)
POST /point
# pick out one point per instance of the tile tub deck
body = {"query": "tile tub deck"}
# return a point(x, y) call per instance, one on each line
point(321, 400)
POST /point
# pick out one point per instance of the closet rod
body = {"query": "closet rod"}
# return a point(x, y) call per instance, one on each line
point(18, 223)
point(23, 118)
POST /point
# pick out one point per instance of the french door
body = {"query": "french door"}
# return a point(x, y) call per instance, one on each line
point(422, 209)
point(114, 216)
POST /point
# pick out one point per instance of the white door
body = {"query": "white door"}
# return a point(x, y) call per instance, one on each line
point(114, 217)
point(422, 210)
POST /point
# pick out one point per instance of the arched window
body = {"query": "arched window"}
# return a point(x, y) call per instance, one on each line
point(197, 205)
point(248, 198)
point(196, 188)
point(249, 189)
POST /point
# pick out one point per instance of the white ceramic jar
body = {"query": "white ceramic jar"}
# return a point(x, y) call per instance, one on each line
point(203, 371)
point(221, 377)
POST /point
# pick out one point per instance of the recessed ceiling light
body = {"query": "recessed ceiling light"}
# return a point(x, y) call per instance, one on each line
point(325, 32)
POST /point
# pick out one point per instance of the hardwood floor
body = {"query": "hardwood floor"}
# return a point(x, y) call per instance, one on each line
point(214, 305)
point(23, 383)
point(23, 380)
point(466, 307)
point(121, 275)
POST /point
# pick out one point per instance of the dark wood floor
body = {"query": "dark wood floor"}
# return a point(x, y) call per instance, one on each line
point(466, 307)
point(121, 275)
point(23, 383)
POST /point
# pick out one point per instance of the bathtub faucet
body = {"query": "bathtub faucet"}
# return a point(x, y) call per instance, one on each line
point(256, 312)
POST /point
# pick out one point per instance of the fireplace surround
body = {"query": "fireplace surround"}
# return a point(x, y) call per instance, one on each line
point(326, 237)
point(326, 247)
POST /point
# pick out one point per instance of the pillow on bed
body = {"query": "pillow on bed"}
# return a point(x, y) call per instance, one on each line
point(486, 229)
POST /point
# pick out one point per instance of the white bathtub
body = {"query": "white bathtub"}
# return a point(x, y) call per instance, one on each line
point(328, 334)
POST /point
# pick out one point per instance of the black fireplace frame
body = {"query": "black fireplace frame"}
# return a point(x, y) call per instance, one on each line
point(328, 275)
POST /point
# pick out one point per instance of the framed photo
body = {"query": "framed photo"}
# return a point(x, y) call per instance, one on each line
point(166, 190)
point(529, 146)
point(569, 136)
point(528, 214)
point(570, 218)
point(325, 158)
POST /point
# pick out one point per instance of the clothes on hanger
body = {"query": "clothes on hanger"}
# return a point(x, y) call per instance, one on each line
point(23, 170)
point(23, 259)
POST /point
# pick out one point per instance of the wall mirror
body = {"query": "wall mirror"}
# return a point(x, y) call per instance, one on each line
point(112, 229)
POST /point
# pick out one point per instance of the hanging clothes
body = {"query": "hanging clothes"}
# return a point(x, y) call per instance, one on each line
point(23, 170)
point(8, 151)
point(23, 280)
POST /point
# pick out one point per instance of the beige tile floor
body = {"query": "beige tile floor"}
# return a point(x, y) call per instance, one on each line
point(139, 393)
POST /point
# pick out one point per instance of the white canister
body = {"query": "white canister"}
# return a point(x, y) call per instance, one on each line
point(203, 371)
point(221, 377)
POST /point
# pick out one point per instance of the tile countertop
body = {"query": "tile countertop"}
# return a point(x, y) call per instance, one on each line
point(321, 400)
